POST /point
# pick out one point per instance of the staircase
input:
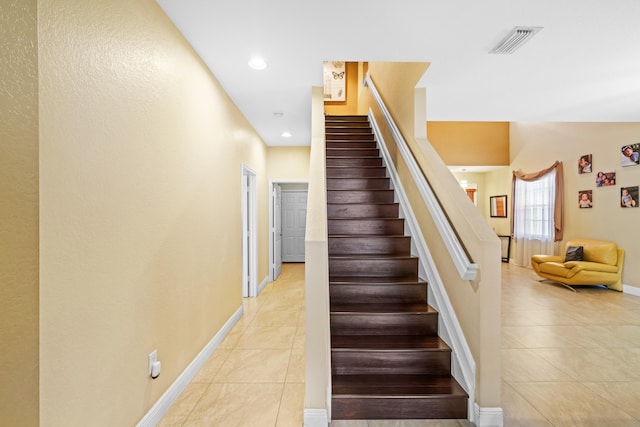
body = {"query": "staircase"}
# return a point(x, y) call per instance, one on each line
point(387, 360)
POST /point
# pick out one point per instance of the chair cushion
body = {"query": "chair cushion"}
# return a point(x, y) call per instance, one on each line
point(574, 253)
point(556, 269)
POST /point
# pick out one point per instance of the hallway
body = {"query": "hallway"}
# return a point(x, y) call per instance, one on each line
point(569, 359)
point(256, 377)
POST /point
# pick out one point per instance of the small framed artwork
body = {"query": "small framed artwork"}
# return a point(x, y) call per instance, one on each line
point(585, 199)
point(335, 78)
point(606, 178)
point(584, 164)
point(629, 155)
point(629, 197)
point(498, 206)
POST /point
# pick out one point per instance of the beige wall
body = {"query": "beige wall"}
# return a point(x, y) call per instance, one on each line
point(535, 146)
point(140, 165)
point(18, 213)
point(477, 179)
point(471, 143)
point(288, 163)
point(495, 186)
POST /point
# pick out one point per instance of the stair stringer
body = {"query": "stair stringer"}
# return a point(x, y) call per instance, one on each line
point(463, 367)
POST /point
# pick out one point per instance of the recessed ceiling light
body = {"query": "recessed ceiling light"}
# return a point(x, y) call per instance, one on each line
point(257, 63)
point(286, 134)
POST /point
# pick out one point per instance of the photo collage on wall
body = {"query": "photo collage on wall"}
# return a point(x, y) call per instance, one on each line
point(629, 156)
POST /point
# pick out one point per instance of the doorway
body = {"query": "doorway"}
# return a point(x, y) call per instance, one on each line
point(294, 219)
point(287, 219)
point(249, 233)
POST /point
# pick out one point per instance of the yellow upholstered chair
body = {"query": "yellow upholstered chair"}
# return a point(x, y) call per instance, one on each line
point(601, 264)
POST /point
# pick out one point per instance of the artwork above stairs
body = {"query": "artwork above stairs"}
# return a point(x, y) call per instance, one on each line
point(387, 361)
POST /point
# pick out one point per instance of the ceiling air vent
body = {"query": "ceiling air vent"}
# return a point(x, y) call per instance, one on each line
point(516, 38)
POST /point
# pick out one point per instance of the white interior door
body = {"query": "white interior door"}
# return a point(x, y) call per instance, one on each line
point(277, 230)
point(294, 217)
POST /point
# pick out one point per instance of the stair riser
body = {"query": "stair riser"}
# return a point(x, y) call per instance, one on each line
point(357, 183)
point(354, 161)
point(379, 267)
point(341, 136)
point(348, 130)
point(352, 152)
point(382, 245)
point(346, 118)
point(384, 324)
point(348, 172)
point(341, 127)
point(401, 362)
point(366, 226)
point(398, 408)
point(351, 144)
point(348, 124)
point(362, 211)
point(378, 293)
point(360, 196)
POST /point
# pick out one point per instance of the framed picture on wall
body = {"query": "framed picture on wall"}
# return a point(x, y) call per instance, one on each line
point(585, 199)
point(498, 206)
point(335, 81)
point(629, 197)
point(584, 164)
point(629, 155)
point(606, 178)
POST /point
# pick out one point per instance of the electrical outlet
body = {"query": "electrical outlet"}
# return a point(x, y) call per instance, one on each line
point(153, 357)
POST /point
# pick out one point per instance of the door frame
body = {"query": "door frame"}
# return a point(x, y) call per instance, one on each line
point(249, 231)
point(272, 240)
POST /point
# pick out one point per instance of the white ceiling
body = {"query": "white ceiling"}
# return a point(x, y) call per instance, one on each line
point(583, 66)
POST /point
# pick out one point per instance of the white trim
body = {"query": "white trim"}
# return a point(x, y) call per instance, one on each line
point(249, 215)
point(464, 368)
point(315, 418)
point(160, 408)
point(262, 284)
point(631, 290)
point(465, 267)
point(488, 417)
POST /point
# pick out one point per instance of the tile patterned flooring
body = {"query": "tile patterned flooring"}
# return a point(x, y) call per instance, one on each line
point(568, 359)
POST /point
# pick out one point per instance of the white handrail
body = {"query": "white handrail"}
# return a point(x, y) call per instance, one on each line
point(466, 268)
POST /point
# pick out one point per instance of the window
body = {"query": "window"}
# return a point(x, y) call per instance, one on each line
point(534, 208)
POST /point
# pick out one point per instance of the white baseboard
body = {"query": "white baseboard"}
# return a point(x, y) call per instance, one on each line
point(163, 404)
point(488, 417)
point(262, 284)
point(316, 418)
point(631, 290)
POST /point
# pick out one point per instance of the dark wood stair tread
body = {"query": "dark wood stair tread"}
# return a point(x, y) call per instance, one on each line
point(367, 236)
point(395, 386)
point(370, 257)
point(363, 203)
point(389, 308)
point(387, 343)
point(384, 280)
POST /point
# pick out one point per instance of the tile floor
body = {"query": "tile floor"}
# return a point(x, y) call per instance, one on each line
point(256, 377)
point(569, 359)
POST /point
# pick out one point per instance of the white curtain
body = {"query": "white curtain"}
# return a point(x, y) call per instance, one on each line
point(533, 218)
